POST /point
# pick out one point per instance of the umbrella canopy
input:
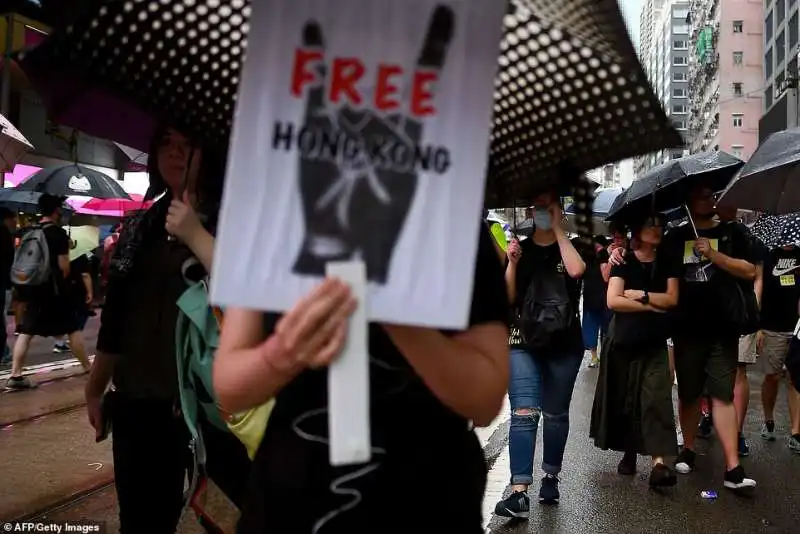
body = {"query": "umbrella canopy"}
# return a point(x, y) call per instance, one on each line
point(603, 201)
point(666, 187)
point(83, 240)
point(570, 92)
point(24, 201)
point(778, 230)
point(12, 145)
point(115, 206)
point(73, 180)
point(768, 182)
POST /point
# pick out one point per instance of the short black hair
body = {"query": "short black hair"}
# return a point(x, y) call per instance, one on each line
point(48, 204)
point(6, 213)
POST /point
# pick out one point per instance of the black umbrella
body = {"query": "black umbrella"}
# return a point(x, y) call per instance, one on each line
point(73, 180)
point(570, 92)
point(666, 187)
point(768, 182)
point(24, 201)
point(778, 230)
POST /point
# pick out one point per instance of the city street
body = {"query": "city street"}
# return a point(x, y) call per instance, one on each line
point(58, 472)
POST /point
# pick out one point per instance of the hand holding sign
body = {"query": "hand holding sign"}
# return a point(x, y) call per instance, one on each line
point(360, 150)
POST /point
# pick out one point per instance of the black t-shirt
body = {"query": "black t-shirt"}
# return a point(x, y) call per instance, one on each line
point(780, 292)
point(290, 469)
point(6, 256)
point(76, 288)
point(645, 327)
point(58, 244)
point(594, 286)
point(703, 285)
point(537, 259)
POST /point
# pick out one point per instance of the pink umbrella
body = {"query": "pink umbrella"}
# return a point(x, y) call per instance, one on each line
point(110, 207)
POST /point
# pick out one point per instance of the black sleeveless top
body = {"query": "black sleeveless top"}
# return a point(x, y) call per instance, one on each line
point(421, 449)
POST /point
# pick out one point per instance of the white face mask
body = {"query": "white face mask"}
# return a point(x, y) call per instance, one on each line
point(542, 218)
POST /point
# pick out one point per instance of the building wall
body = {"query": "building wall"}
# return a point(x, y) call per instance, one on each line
point(744, 100)
point(781, 33)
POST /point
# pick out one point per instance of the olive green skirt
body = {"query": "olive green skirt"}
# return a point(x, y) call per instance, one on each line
point(632, 408)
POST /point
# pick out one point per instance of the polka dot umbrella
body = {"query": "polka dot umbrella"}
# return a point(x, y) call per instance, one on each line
point(570, 94)
point(778, 230)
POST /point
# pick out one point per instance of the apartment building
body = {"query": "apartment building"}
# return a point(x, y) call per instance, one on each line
point(726, 83)
point(619, 174)
point(781, 29)
point(664, 54)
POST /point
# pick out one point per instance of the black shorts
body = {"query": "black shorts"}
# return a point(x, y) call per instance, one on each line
point(706, 366)
point(48, 316)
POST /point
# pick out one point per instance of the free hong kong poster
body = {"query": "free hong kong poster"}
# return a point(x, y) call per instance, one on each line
point(361, 133)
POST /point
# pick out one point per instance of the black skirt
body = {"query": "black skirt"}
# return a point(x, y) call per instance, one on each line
point(632, 408)
point(48, 315)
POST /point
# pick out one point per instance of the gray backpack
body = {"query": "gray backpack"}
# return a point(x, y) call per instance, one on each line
point(32, 261)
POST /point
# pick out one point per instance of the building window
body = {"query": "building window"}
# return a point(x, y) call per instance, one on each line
point(793, 28)
point(680, 28)
point(780, 48)
point(679, 108)
point(736, 119)
point(680, 45)
point(680, 13)
point(679, 76)
point(780, 12)
point(791, 69)
point(738, 58)
point(737, 26)
point(768, 27)
point(680, 60)
point(738, 89)
point(679, 125)
point(768, 64)
point(768, 98)
point(736, 150)
point(675, 155)
point(679, 92)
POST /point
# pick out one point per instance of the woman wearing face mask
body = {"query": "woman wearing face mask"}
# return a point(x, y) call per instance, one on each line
point(136, 341)
point(423, 382)
point(543, 283)
point(632, 410)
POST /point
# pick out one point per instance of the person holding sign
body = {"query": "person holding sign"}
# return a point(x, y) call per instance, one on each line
point(543, 280)
point(423, 382)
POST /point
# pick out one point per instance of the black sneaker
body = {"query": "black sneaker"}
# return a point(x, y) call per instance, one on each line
point(518, 505)
point(548, 492)
point(684, 463)
point(662, 476)
point(18, 382)
point(744, 449)
point(61, 348)
point(736, 480)
point(706, 426)
point(768, 431)
point(627, 466)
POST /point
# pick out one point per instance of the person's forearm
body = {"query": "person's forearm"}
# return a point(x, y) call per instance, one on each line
point(101, 373)
point(739, 268)
point(758, 284)
point(662, 301)
point(245, 378)
point(87, 283)
point(202, 245)
point(626, 305)
point(469, 382)
point(605, 270)
point(511, 281)
point(573, 262)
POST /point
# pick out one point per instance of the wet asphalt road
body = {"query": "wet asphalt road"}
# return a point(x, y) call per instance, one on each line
point(594, 499)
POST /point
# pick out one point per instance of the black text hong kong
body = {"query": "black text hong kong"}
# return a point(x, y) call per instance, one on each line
point(346, 124)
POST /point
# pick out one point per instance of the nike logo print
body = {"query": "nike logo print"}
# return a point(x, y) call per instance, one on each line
point(780, 272)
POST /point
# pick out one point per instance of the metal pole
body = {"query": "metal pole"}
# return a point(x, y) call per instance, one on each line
point(5, 99)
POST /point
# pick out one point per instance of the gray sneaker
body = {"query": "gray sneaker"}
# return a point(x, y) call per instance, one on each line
point(19, 382)
point(794, 443)
point(768, 431)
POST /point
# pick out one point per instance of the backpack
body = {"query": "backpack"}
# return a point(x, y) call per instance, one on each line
point(196, 340)
point(738, 300)
point(547, 311)
point(32, 265)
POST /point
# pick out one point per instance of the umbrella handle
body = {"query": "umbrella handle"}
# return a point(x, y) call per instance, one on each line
point(696, 236)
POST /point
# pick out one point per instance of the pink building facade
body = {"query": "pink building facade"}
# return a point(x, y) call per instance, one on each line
point(726, 75)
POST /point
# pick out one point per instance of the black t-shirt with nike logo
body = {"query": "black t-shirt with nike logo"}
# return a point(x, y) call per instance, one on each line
point(780, 294)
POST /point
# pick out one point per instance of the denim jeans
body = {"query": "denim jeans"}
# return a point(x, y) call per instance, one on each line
point(542, 383)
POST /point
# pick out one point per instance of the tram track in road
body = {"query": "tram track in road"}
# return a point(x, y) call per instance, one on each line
point(70, 502)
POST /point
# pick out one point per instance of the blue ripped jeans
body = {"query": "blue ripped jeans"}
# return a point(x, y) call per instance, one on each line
point(542, 385)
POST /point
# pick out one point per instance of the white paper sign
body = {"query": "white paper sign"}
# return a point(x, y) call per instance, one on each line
point(361, 132)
